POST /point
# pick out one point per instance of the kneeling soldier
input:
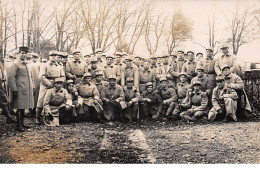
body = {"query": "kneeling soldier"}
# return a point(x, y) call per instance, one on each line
point(197, 103)
point(57, 104)
point(223, 100)
point(150, 102)
point(112, 97)
point(131, 99)
point(92, 107)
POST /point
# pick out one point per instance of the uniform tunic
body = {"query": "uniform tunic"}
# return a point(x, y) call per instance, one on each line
point(21, 80)
point(205, 84)
point(76, 68)
point(189, 68)
point(146, 76)
point(3, 96)
point(37, 80)
point(112, 70)
point(131, 71)
point(229, 60)
point(93, 71)
point(164, 70)
point(131, 111)
point(48, 73)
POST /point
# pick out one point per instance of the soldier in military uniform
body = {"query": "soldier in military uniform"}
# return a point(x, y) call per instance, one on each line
point(225, 59)
point(189, 66)
point(196, 102)
point(130, 70)
point(110, 69)
point(112, 97)
point(208, 65)
point(76, 68)
point(235, 82)
point(64, 59)
point(151, 103)
point(119, 63)
point(168, 95)
point(153, 64)
point(48, 73)
point(181, 90)
point(159, 61)
point(180, 61)
point(35, 57)
point(131, 112)
point(199, 56)
point(137, 62)
point(59, 59)
point(100, 61)
point(99, 81)
point(93, 68)
point(92, 105)
point(57, 104)
point(224, 100)
point(203, 79)
point(146, 75)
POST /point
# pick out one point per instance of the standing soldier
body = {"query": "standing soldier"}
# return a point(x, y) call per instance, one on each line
point(59, 58)
point(91, 99)
point(111, 69)
point(131, 112)
point(189, 66)
point(196, 102)
point(225, 59)
point(64, 59)
point(151, 103)
point(174, 68)
point(181, 90)
point(22, 87)
point(137, 62)
point(130, 70)
point(180, 61)
point(168, 95)
point(94, 67)
point(76, 68)
point(119, 63)
point(48, 73)
point(112, 97)
point(146, 75)
point(199, 57)
point(204, 81)
point(208, 65)
point(159, 61)
point(224, 101)
point(3, 96)
point(153, 64)
point(35, 57)
point(57, 104)
point(100, 61)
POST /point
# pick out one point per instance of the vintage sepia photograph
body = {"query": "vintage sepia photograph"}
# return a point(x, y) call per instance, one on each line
point(129, 82)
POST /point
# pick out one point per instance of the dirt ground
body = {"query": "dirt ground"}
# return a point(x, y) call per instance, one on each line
point(160, 141)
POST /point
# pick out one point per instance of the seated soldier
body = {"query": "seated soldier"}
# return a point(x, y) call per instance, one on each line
point(168, 96)
point(57, 105)
point(77, 100)
point(223, 100)
point(131, 99)
point(91, 107)
point(112, 96)
point(99, 82)
point(150, 103)
point(197, 103)
point(181, 90)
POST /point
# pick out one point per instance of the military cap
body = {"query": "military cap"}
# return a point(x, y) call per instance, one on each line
point(65, 54)
point(200, 67)
point(35, 55)
point(87, 55)
point(163, 78)
point(59, 53)
point(224, 66)
point(98, 50)
point(123, 53)
point(129, 58)
point(87, 74)
point(183, 73)
point(93, 60)
point(149, 84)
point(152, 57)
point(76, 51)
point(159, 56)
point(199, 53)
point(210, 48)
point(59, 79)
point(196, 83)
point(174, 53)
point(104, 54)
point(26, 49)
point(118, 53)
point(180, 51)
point(224, 45)
point(109, 56)
point(137, 56)
point(11, 54)
point(129, 79)
point(112, 76)
point(51, 53)
point(190, 51)
point(220, 78)
point(99, 73)
point(70, 81)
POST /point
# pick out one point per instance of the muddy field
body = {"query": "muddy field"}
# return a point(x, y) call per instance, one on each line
point(160, 141)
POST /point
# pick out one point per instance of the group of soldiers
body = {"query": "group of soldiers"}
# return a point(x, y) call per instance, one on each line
point(98, 87)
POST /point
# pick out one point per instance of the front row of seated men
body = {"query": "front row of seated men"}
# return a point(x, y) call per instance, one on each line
point(97, 100)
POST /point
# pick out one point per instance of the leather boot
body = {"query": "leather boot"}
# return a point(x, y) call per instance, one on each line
point(6, 113)
point(22, 120)
point(19, 125)
point(38, 116)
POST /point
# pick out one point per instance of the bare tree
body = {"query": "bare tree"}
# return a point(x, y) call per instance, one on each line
point(242, 27)
point(179, 30)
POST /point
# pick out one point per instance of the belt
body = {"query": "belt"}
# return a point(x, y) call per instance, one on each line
point(196, 104)
point(55, 104)
point(79, 76)
point(51, 78)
